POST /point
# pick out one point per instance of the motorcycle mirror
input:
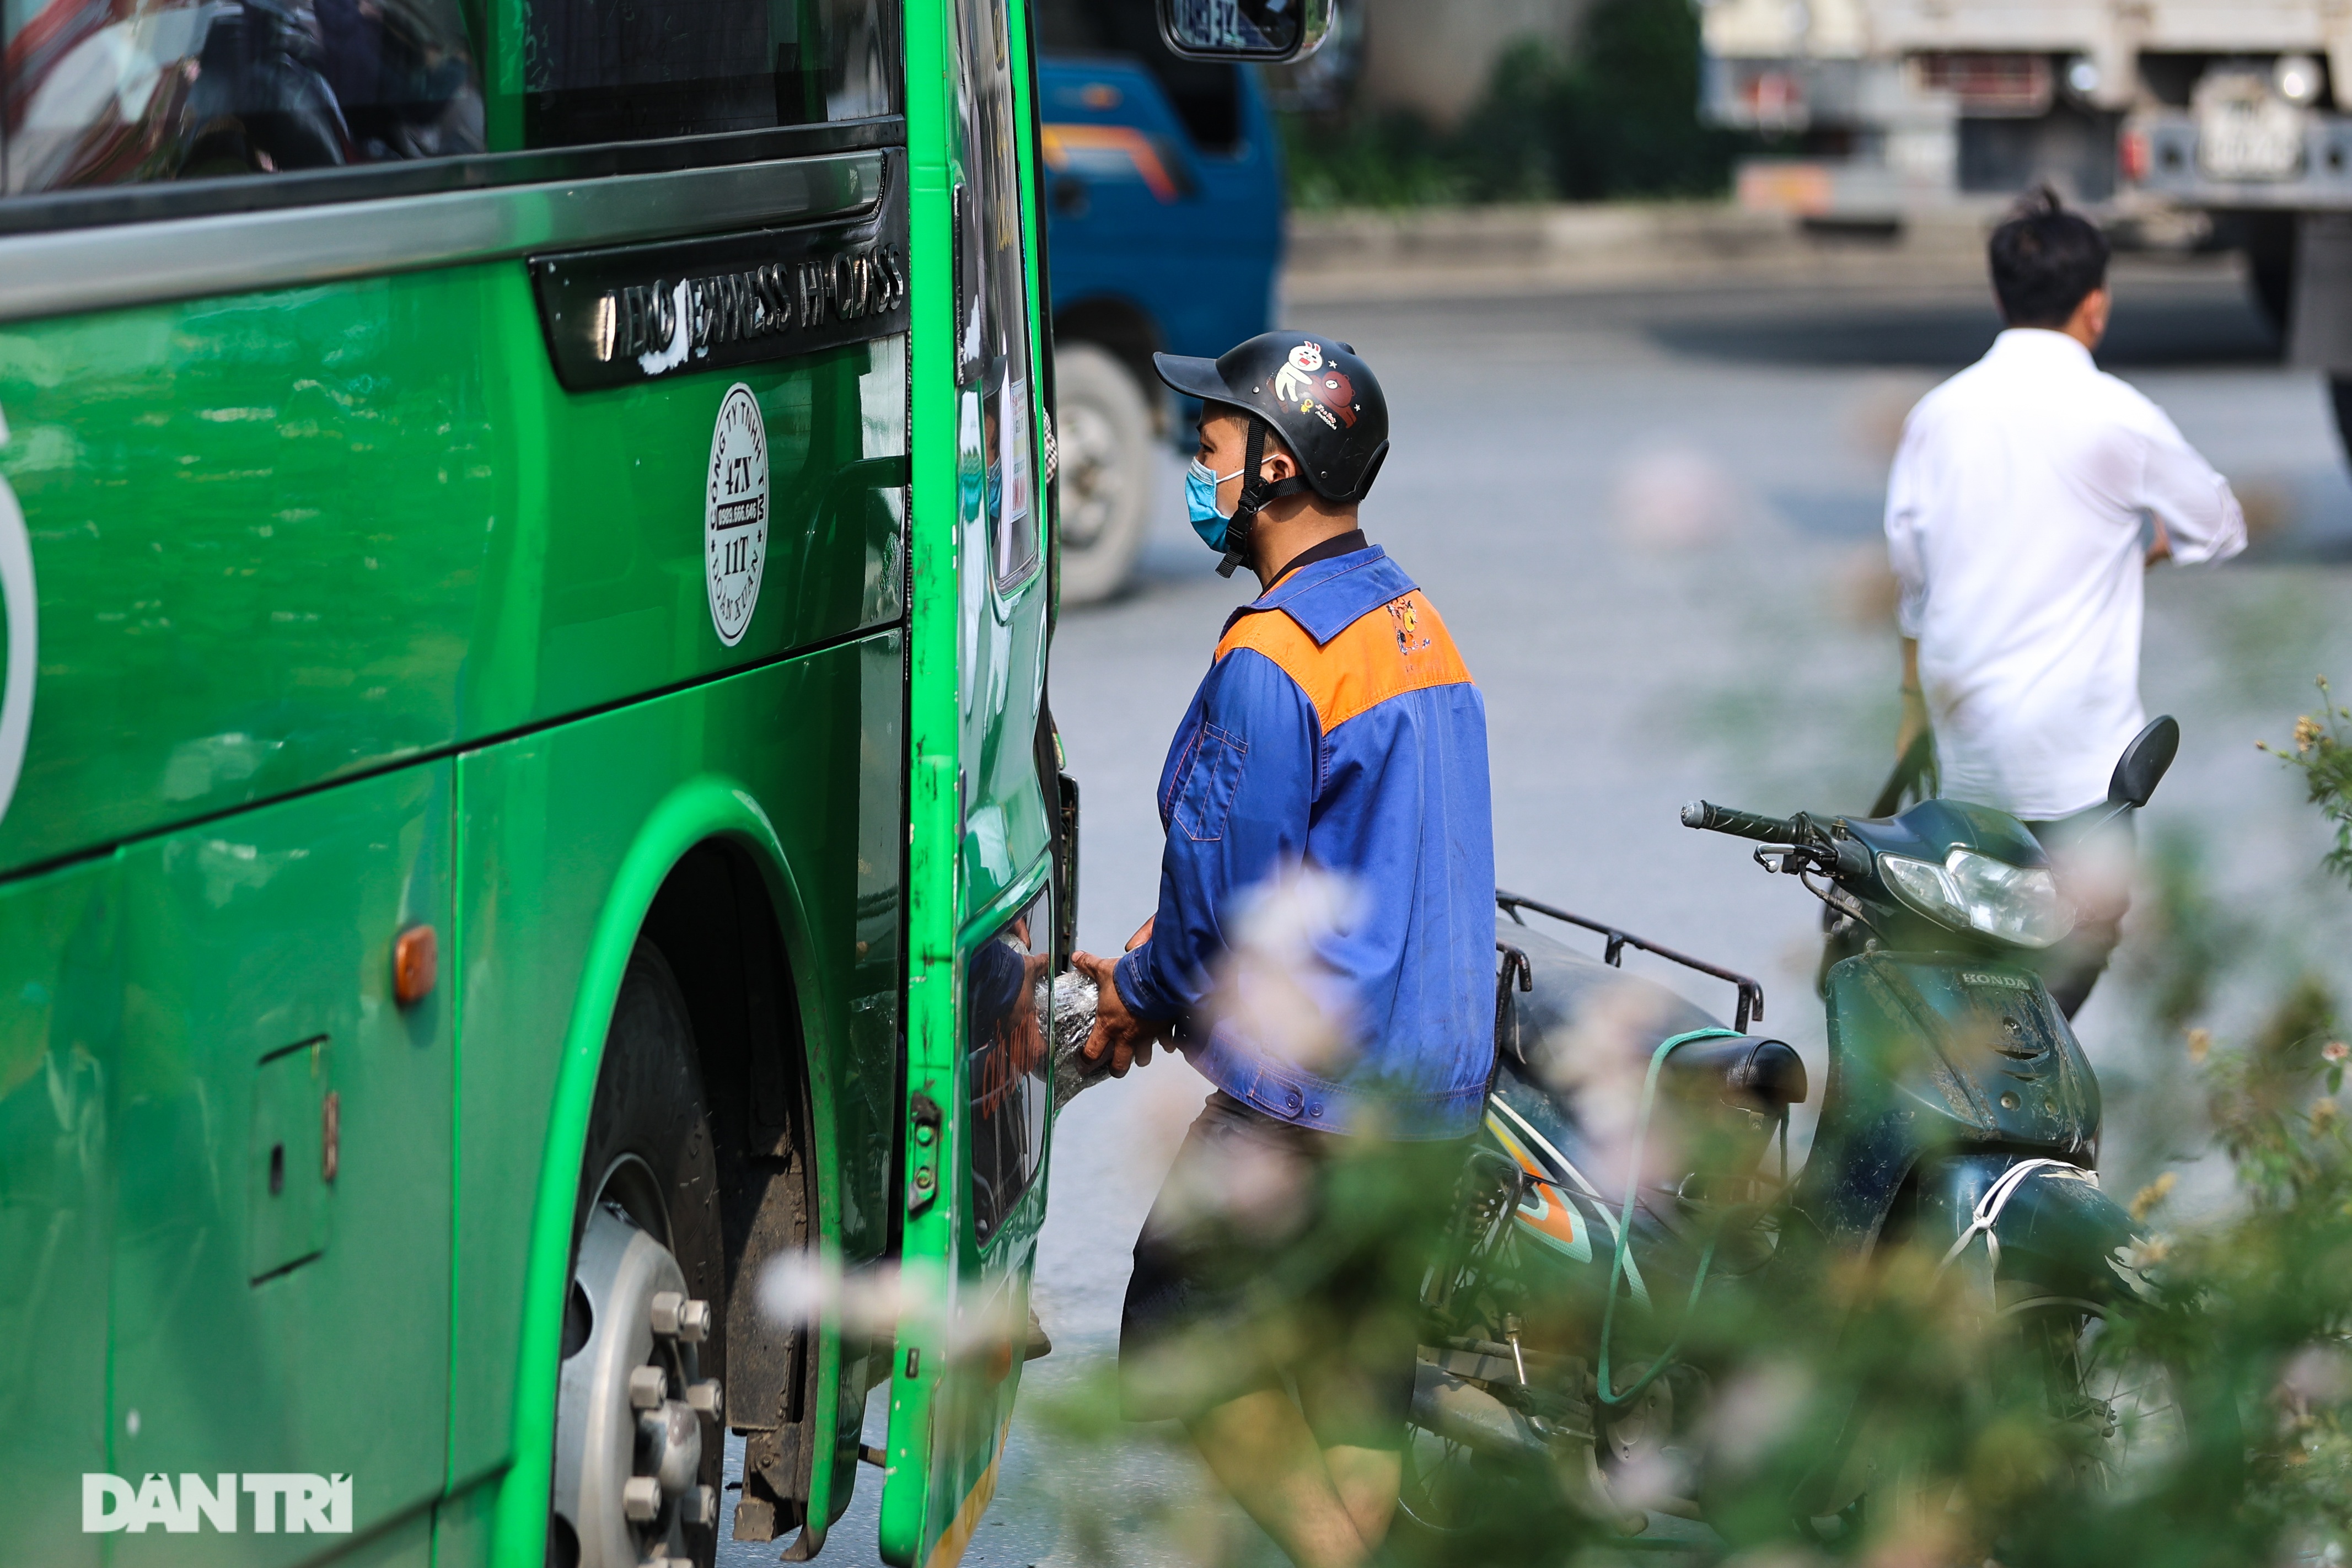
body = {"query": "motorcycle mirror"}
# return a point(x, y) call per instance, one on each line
point(2144, 762)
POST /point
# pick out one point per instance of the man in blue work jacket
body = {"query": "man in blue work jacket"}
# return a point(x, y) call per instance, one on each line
point(1323, 953)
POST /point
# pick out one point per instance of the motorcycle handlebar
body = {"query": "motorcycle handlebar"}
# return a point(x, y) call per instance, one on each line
point(1743, 824)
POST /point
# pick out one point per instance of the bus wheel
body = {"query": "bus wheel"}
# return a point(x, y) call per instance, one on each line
point(1103, 427)
point(639, 1449)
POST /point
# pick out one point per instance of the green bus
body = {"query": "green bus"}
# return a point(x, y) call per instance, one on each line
point(527, 797)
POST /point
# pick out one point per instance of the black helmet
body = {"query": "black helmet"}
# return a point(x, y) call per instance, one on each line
point(1323, 401)
point(1315, 394)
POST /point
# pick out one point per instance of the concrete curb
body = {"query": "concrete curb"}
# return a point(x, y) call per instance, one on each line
point(1535, 247)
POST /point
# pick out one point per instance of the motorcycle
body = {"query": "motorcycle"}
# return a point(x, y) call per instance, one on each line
point(1960, 1117)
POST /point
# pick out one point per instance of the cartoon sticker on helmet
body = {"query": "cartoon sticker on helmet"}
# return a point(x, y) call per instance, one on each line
point(1294, 382)
point(1338, 396)
point(1305, 383)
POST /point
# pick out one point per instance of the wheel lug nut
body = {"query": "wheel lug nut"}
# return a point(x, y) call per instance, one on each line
point(699, 1506)
point(677, 1314)
point(649, 1386)
point(641, 1499)
point(704, 1397)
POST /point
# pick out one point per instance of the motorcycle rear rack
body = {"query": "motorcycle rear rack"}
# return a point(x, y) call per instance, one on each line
point(1751, 994)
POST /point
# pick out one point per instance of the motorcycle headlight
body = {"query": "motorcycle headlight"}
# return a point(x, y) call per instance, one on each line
point(2016, 904)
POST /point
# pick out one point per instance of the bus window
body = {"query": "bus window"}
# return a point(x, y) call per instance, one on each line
point(993, 355)
point(640, 69)
point(97, 94)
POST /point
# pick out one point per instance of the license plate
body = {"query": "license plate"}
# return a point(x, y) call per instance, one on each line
point(2237, 140)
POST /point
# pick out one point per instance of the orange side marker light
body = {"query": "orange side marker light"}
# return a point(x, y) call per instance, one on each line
point(416, 964)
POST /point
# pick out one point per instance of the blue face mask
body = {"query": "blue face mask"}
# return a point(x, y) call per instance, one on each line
point(1200, 484)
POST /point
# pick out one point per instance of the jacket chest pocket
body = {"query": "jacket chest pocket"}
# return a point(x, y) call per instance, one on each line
point(1204, 795)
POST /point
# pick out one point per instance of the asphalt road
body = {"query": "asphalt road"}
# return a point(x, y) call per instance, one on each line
point(1651, 520)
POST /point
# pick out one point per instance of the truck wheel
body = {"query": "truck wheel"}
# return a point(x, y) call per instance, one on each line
point(2270, 267)
point(1103, 424)
point(638, 1446)
point(2339, 396)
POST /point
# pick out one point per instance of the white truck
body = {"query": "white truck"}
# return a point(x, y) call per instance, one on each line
point(2240, 110)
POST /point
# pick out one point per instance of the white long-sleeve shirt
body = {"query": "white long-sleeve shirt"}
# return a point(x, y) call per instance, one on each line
point(2014, 521)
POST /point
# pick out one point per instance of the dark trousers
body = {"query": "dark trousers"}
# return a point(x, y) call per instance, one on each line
point(2093, 859)
point(1280, 1257)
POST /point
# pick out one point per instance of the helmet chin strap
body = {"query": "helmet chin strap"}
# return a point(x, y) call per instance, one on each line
point(1258, 494)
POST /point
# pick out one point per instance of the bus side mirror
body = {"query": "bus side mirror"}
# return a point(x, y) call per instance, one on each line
point(2144, 762)
point(1271, 30)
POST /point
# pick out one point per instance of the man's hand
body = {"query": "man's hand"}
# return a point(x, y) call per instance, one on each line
point(1915, 722)
point(2160, 547)
point(1915, 702)
point(1118, 1034)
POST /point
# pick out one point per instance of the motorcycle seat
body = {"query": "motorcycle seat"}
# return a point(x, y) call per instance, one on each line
point(1577, 1006)
point(1751, 1072)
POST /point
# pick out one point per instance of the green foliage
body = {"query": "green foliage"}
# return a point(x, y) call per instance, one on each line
point(2274, 1282)
point(1615, 117)
point(2324, 752)
point(1902, 1407)
point(2187, 939)
point(1391, 159)
point(1624, 117)
point(2265, 1115)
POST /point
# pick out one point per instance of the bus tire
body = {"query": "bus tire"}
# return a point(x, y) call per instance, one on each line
point(1103, 427)
point(639, 1458)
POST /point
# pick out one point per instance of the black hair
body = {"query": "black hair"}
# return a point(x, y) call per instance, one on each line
point(2045, 261)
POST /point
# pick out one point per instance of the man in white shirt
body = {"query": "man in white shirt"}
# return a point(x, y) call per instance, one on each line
point(2014, 521)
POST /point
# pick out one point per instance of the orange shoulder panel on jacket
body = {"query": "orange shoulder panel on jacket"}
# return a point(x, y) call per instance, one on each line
point(1401, 647)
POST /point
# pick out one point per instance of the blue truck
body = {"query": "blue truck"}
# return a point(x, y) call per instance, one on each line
point(1164, 200)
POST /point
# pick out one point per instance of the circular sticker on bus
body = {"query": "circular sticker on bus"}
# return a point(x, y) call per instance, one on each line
point(735, 514)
